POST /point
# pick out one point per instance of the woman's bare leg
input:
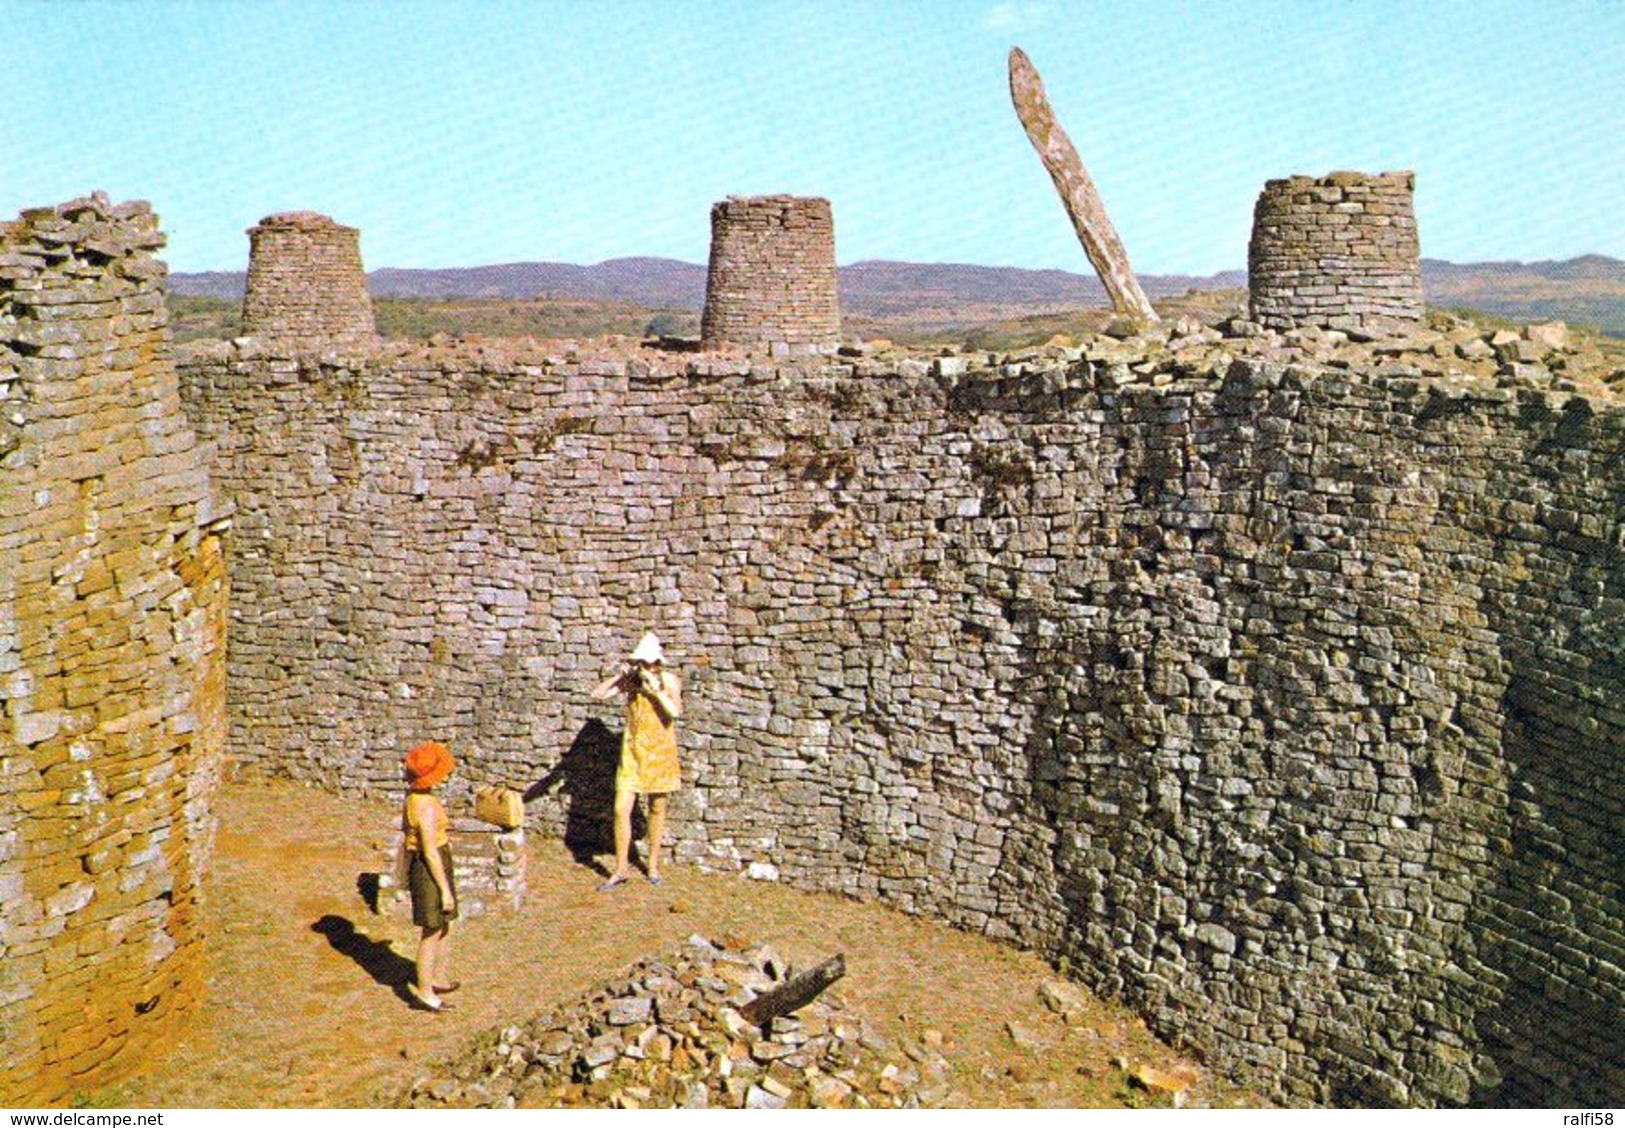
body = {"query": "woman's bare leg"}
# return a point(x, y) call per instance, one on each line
point(624, 802)
point(429, 951)
point(657, 828)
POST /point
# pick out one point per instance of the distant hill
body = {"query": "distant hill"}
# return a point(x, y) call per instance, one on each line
point(882, 289)
point(653, 282)
point(1589, 290)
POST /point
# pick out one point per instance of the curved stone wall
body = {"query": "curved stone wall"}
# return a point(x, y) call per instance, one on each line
point(306, 288)
point(112, 656)
point(1338, 252)
point(1284, 702)
point(771, 282)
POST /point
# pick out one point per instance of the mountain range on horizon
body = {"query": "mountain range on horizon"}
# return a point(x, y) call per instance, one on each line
point(1588, 290)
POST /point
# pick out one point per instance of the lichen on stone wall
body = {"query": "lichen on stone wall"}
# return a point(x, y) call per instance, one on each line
point(112, 664)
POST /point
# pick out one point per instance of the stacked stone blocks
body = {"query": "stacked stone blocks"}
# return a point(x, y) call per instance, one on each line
point(1337, 252)
point(307, 290)
point(1282, 701)
point(112, 655)
point(488, 869)
point(771, 282)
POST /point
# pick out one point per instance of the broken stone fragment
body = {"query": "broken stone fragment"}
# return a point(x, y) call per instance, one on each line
point(1175, 1080)
point(1550, 335)
point(1063, 997)
point(1024, 1037)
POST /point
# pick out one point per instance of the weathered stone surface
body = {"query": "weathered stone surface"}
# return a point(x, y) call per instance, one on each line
point(112, 656)
point(1077, 190)
point(1549, 335)
point(1340, 252)
point(1064, 997)
point(1253, 671)
point(771, 281)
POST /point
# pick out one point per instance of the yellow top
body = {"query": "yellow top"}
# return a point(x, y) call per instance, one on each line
point(412, 819)
point(648, 749)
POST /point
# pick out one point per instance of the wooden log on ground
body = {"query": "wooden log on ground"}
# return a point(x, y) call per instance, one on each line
point(1072, 181)
point(794, 993)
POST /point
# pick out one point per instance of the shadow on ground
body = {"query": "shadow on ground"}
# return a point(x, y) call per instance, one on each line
point(387, 967)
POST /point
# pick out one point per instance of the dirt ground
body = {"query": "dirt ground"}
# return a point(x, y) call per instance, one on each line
point(302, 1007)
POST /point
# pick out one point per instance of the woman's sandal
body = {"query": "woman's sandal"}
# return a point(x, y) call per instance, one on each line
point(611, 883)
point(418, 1002)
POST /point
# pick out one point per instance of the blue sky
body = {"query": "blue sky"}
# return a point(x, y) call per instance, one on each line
point(457, 134)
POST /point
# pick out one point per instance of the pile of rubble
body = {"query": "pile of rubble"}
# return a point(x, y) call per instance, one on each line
point(669, 1033)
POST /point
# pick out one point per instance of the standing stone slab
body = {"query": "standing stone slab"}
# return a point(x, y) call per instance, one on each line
point(1077, 189)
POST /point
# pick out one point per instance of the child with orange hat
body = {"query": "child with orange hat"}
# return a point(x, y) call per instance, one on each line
point(429, 872)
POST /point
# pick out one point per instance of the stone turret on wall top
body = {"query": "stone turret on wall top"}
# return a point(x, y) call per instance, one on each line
point(771, 281)
point(1338, 252)
point(307, 290)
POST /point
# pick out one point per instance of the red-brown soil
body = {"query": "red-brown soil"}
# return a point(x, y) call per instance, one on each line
point(301, 1009)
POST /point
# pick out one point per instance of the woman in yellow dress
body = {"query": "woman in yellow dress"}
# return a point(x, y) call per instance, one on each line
point(654, 701)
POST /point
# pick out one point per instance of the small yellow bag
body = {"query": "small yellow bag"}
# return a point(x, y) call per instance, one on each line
point(501, 806)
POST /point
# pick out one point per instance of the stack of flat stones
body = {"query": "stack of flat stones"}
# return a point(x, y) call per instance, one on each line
point(771, 283)
point(112, 654)
point(488, 867)
point(668, 1033)
point(306, 289)
point(1338, 252)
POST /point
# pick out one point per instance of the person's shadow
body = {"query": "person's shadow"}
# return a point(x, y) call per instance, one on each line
point(386, 966)
point(585, 776)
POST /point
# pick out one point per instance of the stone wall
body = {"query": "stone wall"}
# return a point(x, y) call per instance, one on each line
point(1284, 702)
point(1339, 252)
point(488, 868)
point(306, 287)
point(771, 282)
point(112, 664)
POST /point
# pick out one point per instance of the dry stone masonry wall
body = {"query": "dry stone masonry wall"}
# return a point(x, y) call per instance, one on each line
point(1279, 693)
point(112, 655)
point(306, 287)
point(488, 870)
point(772, 282)
point(1338, 252)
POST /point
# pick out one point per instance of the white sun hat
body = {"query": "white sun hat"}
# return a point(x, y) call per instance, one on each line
point(648, 649)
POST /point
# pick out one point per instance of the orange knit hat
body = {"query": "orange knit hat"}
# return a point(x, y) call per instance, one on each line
point(428, 765)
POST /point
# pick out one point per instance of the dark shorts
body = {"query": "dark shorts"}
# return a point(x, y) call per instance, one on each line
point(427, 911)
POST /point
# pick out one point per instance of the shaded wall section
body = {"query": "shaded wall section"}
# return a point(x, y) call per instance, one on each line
point(112, 656)
point(1260, 693)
